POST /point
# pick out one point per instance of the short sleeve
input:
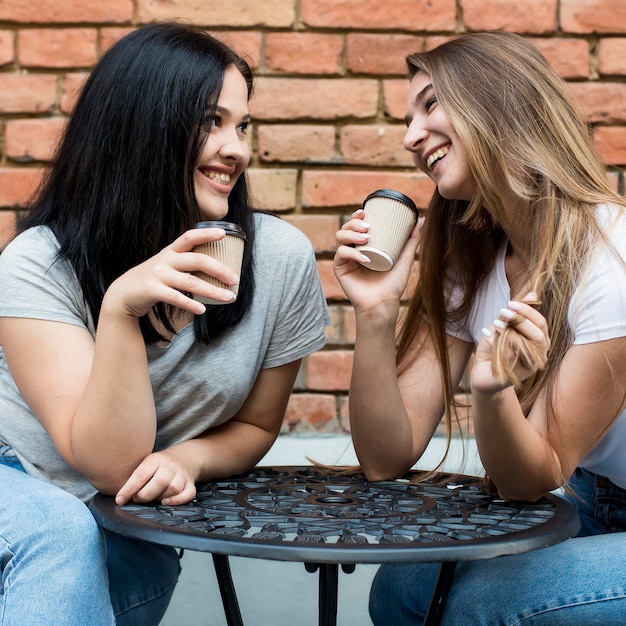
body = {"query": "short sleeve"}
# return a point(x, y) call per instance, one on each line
point(36, 284)
point(301, 314)
point(598, 308)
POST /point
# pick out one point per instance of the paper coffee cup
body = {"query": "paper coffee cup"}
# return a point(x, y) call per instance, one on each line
point(391, 216)
point(228, 251)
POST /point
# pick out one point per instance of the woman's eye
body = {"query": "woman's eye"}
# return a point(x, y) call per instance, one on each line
point(211, 122)
point(428, 104)
point(243, 127)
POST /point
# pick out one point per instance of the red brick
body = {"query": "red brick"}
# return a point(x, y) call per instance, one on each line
point(615, 180)
point(311, 412)
point(601, 102)
point(72, 85)
point(593, 16)
point(303, 53)
point(27, 93)
point(436, 40)
point(395, 93)
point(344, 412)
point(320, 229)
point(6, 47)
point(569, 57)
point(341, 329)
point(380, 54)
point(246, 44)
point(426, 15)
point(329, 370)
point(375, 145)
point(273, 190)
point(330, 285)
point(17, 185)
point(316, 98)
point(530, 16)
point(65, 11)
point(7, 227)
point(348, 188)
point(289, 142)
point(234, 13)
point(334, 332)
point(611, 55)
point(33, 140)
point(611, 143)
point(51, 47)
point(109, 36)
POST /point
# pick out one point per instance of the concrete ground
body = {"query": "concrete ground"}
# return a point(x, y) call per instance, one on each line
point(276, 593)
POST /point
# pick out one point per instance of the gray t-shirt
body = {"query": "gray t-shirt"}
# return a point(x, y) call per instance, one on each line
point(195, 386)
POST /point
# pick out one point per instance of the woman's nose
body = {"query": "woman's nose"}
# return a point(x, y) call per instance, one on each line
point(234, 146)
point(414, 136)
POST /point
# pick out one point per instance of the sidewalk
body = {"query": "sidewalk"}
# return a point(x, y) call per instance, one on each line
point(276, 593)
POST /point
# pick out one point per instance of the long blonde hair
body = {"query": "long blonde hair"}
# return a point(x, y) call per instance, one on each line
point(519, 127)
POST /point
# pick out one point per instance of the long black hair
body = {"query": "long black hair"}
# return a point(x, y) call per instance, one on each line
point(121, 185)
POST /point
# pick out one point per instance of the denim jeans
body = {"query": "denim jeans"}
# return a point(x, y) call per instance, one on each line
point(579, 582)
point(59, 568)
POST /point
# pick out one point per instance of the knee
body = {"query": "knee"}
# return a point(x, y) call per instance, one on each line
point(68, 523)
point(400, 594)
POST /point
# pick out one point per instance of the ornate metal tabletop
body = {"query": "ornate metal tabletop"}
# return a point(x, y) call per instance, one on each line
point(316, 515)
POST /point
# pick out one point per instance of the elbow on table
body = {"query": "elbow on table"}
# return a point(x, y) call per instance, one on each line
point(375, 473)
point(521, 493)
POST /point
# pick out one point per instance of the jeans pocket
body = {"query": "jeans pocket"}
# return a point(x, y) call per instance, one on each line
point(9, 458)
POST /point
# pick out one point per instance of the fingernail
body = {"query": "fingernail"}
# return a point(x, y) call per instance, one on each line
point(516, 306)
point(359, 212)
point(499, 324)
point(234, 279)
point(363, 236)
point(507, 313)
point(364, 258)
point(365, 225)
point(487, 332)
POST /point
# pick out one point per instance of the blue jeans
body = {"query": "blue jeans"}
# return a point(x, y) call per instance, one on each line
point(579, 582)
point(59, 568)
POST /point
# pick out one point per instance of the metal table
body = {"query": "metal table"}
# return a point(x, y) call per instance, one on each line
point(324, 519)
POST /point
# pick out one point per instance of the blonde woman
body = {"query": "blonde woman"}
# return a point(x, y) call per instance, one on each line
point(521, 264)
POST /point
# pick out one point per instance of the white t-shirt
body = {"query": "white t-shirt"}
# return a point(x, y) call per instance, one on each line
point(195, 386)
point(597, 312)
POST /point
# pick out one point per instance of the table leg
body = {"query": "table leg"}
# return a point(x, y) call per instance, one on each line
point(227, 590)
point(440, 594)
point(327, 595)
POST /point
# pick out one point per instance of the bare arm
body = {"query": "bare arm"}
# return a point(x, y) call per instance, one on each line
point(392, 418)
point(231, 448)
point(94, 398)
point(524, 458)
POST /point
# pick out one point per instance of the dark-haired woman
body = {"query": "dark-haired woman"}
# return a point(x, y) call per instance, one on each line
point(113, 375)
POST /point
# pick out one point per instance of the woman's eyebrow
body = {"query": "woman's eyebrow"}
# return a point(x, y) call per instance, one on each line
point(224, 111)
point(420, 96)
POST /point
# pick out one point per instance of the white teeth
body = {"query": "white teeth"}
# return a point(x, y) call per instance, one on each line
point(436, 155)
point(224, 179)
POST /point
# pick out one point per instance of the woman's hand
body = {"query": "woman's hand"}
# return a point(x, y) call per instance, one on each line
point(366, 288)
point(518, 317)
point(162, 476)
point(167, 275)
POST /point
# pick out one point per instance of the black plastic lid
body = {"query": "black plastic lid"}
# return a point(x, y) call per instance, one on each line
point(394, 195)
point(229, 227)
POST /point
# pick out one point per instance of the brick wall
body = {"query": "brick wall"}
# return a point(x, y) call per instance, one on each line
point(328, 109)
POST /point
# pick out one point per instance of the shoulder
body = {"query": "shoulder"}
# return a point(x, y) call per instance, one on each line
point(36, 246)
point(39, 237)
